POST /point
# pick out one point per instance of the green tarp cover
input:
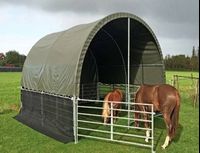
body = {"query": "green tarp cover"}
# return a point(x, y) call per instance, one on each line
point(54, 63)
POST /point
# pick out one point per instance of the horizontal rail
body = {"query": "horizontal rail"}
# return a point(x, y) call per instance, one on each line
point(131, 135)
point(97, 115)
point(133, 111)
point(123, 110)
point(116, 133)
point(90, 107)
point(88, 114)
point(186, 77)
point(117, 125)
point(101, 101)
point(120, 141)
point(94, 130)
point(131, 127)
point(132, 119)
point(46, 93)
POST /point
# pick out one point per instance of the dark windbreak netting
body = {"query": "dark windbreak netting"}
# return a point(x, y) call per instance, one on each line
point(50, 115)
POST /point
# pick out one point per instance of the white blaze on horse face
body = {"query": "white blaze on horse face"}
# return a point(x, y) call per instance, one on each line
point(166, 142)
point(147, 136)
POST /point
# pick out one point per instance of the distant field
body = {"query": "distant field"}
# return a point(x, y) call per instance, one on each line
point(169, 74)
point(18, 138)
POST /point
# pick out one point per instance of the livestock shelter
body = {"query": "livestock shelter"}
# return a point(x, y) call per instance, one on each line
point(118, 49)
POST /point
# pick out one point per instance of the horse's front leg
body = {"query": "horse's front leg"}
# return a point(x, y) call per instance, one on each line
point(115, 115)
point(146, 125)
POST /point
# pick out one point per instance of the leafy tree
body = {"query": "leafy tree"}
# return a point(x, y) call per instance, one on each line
point(2, 62)
point(2, 59)
point(193, 52)
point(182, 62)
point(13, 57)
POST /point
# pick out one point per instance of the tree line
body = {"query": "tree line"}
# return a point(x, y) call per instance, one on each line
point(183, 62)
point(12, 59)
point(172, 62)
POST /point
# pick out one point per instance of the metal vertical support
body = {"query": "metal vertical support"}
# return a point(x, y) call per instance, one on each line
point(42, 108)
point(111, 122)
point(75, 117)
point(128, 67)
point(82, 91)
point(98, 97)
point(152, 129)
point(56, 108)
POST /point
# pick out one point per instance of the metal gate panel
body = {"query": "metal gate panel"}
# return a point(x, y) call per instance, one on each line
point(88, 123)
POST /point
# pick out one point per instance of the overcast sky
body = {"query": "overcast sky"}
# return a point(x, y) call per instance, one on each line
point(24, 22)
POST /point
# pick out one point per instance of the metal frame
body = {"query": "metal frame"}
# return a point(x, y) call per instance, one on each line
point(112, 125)
point(128, 70)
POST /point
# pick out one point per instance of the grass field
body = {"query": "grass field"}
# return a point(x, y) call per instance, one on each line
point(18, 138)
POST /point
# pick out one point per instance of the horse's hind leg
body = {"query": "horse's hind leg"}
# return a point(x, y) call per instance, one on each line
point(115, 114)
point(136, 116)
point(168, 126)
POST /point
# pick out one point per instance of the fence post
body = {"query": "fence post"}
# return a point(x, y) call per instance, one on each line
point(152, 129)
point(98, 97)
point(177, 82)
point(174, 81)
point(196, 97)
point(111, 122)
point(197, 91)
point(192, 78)
point(42, 107)
point(75, 118)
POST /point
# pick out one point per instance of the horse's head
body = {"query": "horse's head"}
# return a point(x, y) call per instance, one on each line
point(106, 112)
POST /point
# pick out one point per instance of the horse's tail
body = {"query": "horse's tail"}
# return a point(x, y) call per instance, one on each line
point(175, 116)
point(106, 105)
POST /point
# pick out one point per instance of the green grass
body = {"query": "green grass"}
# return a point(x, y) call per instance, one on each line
point(9, 90)
point(18, 138)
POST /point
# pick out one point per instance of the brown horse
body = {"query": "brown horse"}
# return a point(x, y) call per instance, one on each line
point(115, 97)
point(166, 100)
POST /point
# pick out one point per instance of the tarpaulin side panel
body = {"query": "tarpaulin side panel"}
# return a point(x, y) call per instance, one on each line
point(50, 115)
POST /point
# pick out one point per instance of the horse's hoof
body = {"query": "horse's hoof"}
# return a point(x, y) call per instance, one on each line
point(146, 140)
point(163, 147)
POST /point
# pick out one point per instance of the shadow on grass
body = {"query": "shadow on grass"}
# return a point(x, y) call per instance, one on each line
point(178, 133)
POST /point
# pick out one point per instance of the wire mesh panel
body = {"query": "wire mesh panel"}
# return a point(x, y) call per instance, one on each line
point(49, 114)
point(88, 91)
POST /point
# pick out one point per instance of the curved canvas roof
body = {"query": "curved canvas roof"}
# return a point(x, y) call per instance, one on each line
point(54, 64)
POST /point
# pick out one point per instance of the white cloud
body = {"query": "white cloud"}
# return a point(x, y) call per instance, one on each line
point(22, 23)
point(20, 31)
point(177, 46)
point(20, 44)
